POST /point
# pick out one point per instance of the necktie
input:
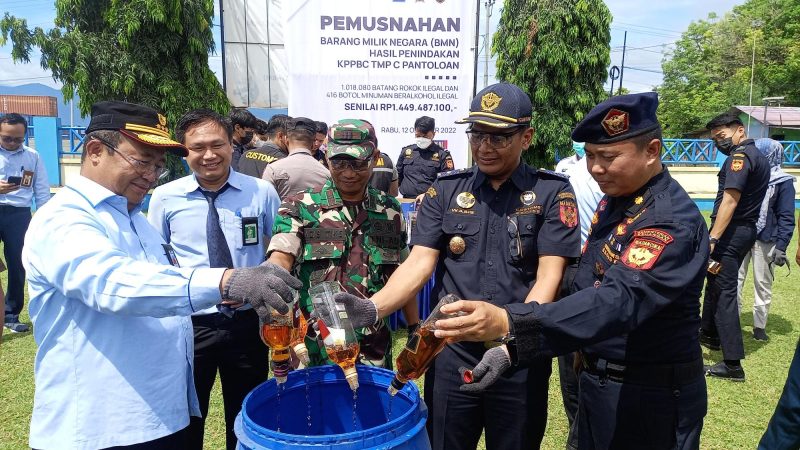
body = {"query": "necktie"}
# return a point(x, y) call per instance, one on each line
point(219, 255)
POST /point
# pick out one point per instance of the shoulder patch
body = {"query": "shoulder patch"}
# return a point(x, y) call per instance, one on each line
point(452, 173)
point(645, 249)
point(552, 174)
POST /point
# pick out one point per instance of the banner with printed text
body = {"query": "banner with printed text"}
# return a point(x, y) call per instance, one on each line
point(386, 61)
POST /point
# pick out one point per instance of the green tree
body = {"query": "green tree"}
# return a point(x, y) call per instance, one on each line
point(558, 52)
point(152, 52)
point(709, 70)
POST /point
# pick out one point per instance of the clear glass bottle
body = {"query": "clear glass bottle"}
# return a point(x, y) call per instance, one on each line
point(421, 348)
point(336, 330)
point(299, 329)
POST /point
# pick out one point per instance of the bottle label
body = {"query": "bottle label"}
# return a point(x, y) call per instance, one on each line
point(413, 343)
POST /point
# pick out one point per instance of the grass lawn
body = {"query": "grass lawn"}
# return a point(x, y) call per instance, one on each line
point(738, 413)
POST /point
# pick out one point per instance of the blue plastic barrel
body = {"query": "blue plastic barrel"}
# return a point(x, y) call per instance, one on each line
point(331, 402)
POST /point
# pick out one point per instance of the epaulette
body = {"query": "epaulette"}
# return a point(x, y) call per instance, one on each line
point(553, 174)
point(451, 173)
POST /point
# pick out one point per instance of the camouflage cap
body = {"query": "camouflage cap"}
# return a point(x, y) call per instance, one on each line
point(350, 137)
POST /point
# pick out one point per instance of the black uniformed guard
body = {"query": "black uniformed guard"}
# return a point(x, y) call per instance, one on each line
point(502, 232)
point(419, 163)
point(636, 302)
point(254, 161)
point(743, 182)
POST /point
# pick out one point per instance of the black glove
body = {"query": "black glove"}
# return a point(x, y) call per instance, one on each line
point(779, 257)
point(260, 286)
point(362, 312)
point(494, 362)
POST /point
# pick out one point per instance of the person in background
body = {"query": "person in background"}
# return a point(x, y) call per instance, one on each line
point(236, 233)
point(298, 171)
point(275, 148)
point(320, 138)
point(260, 135)
point(384, 175)
point(743, 182)
point(244, 126)
point(23, 179)
point(774, 226)
point(566, 163)
point(109, 303)
point(419, 163)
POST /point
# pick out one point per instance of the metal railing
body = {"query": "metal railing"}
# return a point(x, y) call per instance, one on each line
point(75, 136)
point(703, 153)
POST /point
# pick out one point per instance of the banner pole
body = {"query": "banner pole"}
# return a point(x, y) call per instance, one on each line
point(477, 37)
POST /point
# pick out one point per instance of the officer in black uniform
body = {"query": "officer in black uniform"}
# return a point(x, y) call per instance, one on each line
point(254, 161)
point(743, 182)
point(636, 302)
point(419, 163)
point(501, 232)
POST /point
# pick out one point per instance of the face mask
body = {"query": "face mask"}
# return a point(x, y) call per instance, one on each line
point(579, 148)
point(248, 136)
point(725, 145)
point(423, 142)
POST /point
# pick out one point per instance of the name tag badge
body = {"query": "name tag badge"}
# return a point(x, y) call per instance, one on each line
point(27, 178)
point(169, 252)
point(249, 230)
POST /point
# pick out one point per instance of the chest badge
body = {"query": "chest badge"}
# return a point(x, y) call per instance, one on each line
point(621, 229)
point(527, 198)
point(465, 200)
point(595, 219)
point(409, 152)
point(457, 245)
point(435, 157)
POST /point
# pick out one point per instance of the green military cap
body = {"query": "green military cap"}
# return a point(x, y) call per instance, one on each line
point(350, 137)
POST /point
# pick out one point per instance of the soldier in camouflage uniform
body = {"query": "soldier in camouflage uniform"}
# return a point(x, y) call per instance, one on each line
point(344, 231)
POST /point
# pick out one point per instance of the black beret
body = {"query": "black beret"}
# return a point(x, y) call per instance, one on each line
point(619, 118)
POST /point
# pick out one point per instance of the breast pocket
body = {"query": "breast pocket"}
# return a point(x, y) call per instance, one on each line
point(528, 235)
point(462, 237)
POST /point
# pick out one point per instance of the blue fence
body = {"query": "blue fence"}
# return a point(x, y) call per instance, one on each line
point(702, 152)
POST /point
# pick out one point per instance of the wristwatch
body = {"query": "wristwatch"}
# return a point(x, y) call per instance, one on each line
point(713, 240)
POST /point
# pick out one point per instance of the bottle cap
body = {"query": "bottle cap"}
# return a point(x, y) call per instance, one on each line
point(395, 386)
point(351, 375)
point(301, 352)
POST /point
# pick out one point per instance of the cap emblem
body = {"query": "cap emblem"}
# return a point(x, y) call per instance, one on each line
point(490, 101)
point(616, 122)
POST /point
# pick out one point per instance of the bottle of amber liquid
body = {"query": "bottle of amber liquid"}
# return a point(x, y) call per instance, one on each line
point(276, 333)
point(421, 348)
point(299, 329)
point(336, 330)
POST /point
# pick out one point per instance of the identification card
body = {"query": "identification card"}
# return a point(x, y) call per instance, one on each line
point(27, 179)
point(169, 252)
point(249, 230)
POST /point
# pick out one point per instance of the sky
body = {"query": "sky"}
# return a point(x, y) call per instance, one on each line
point(652, 29)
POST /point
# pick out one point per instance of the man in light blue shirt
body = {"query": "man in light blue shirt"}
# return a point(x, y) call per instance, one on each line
point(22, 178)
point(245, 208)
point(114, 361)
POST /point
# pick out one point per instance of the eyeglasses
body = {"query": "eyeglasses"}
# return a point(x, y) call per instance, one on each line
point(496, 140)
point(515, 244)
point(356, 165)
point(10, 139)
point(214, 148)
point(141, 167)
